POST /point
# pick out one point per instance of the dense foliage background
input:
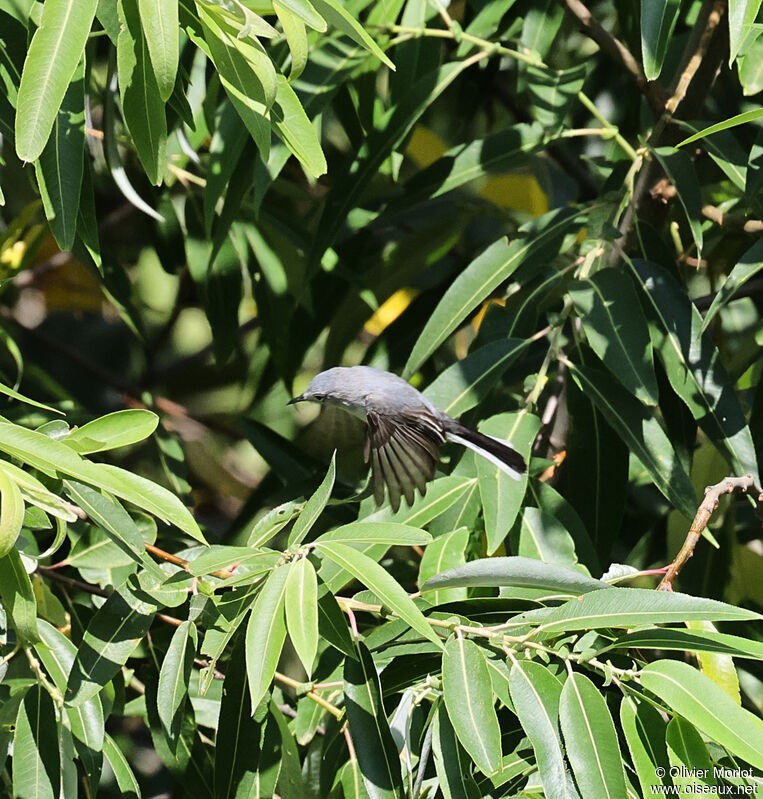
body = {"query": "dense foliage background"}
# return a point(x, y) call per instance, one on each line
point(204, 203)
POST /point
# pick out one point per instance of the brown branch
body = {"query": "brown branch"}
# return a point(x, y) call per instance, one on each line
point(722, 219)
point(704, 512)
point(616, 50)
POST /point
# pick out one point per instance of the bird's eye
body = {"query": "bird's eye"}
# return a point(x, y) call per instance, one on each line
point(319, 397)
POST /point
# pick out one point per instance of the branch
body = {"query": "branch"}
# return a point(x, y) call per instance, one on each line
point(714, 214)
point(704, 512)
point(616, 50)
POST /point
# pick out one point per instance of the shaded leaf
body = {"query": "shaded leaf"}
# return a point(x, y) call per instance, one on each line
point(658, 20)
point(36, 758)
point(301, 604)
point(174, 678)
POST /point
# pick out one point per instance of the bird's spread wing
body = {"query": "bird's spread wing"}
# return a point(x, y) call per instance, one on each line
point(403, 451)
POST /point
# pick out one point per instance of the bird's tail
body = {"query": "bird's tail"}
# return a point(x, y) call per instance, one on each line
point(493, 449)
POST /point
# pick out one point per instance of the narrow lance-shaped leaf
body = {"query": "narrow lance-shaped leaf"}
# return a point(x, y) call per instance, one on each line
point(616, 329)
point(52, 60)
point(11, 512)
point(500, 493)
point(374, 747)
point(693, 365)
point(142, 105)
point(689, 758)
point(364, 532)
point(644, 730)
point(314, 506)
point(36, 758)
point(111, 637)
point(265, 634)
point(452, 764)
point(174, 678)
point(114, 430)
point(679, 168)
point(57, 654)
point(535, 693)
point(742, 17)
point(61, 164)
point(658, 19)
point(590, 740)
point(493, 266)
point(689, 693)
point(745, 269)
point(641, 432)
point(629, 607)
point(159, 19)
point(689, 641)
point(334, 12)
point(378, 580)
point(123, 774)
point(18, 597)
point(302, 611)
point(469, 699)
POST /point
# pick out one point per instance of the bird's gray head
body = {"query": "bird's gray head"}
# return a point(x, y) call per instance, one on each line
point(337, 386)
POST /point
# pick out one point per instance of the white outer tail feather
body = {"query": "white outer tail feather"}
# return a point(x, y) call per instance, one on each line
point(487, 455)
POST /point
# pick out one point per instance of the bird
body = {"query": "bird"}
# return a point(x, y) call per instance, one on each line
point(404, 430)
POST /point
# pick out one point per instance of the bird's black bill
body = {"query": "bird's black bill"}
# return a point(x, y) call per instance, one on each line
point(295, 400)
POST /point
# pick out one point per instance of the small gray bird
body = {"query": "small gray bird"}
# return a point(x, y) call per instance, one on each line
point(404, 430)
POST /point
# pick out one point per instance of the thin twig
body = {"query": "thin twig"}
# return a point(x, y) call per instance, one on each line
point(704, 512)
point(722, 219)
point(615, 49)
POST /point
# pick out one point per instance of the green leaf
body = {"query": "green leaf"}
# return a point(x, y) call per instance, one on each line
point(116, 523)
point(11, 512)
point(465, 384)
point(658, 20)
point(364, 532)
point(742, 17)
point(61, 164)
point(174, 678)
point(56, 49)
point(483, 275)
point(296, 38)
point(689, 758)
point(590, 739)
point(452, 764)
point(691, 694)
point(640, 432)
point(304, 10)
point(515, 571)
point(374, 747)
point(114, 430)
point(125, 779)
point(238, 733)
point(247, 74)
point(18, 597)
point(159, 19)
point(719, 667)
point(292, 125)
point(679, 168)
point(378, 580)
point(689, 641)
point(541, 24)
point(142, 105)
point(738, 119)
point(724, 148)
point(468, 694)
point(694, 367)
point(500, 493)
point(36, 758)
point(542, 536)
point(219, 557)
point(616, 329)
point(745, 269)
point(314, 506)
point(302, 611)
point(535, 693)
point(446, 553)
point(628, 607)
point(57, 654)
point(336, 14)
point(644, 731)
point(13, 394)
point(112, 635)
point(265, 634)
point(290, 782)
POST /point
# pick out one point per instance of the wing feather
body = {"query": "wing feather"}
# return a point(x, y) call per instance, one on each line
point(403, 451)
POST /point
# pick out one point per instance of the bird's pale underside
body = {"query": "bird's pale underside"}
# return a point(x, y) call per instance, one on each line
point(404, 430)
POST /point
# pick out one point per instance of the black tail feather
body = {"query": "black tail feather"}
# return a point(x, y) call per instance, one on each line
point(502, 451)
